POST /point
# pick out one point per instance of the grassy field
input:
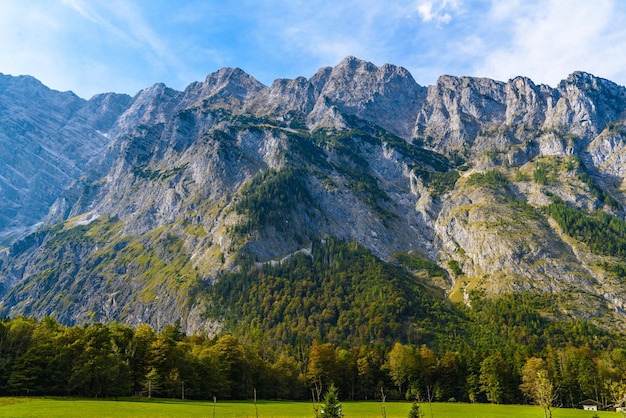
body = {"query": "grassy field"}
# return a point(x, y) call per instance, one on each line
point(64, 407)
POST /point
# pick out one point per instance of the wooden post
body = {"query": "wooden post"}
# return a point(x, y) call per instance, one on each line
point(256, 408)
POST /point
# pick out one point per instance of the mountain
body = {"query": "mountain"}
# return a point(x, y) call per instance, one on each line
point(47, 139)
point(468, 188)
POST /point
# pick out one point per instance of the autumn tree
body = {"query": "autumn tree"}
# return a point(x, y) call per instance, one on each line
point(449, 377)
point(139, 362)
point(617, 392)
point(287, 383)
point(370, 375)
point(401, 364)
point(322, 367)
point(580, 379)
point(428, 365)
point(152, 382)
point(232, 362)
point(537, 385)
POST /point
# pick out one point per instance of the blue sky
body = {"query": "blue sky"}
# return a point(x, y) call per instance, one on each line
point(95, 46)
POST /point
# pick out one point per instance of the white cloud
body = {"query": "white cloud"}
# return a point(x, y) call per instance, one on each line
point(438, 12)
point(551, 39)
point(84, 11)
point(91, 46)
point(125, 28)
point(425, 11)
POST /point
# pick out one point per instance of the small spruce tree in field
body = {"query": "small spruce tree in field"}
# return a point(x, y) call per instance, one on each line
point(416, 411)
point(331, 407)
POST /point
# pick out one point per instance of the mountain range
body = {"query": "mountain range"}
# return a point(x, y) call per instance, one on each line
point(140, 209)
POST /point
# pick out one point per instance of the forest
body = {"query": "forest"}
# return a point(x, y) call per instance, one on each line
point(111, 360)
point(337, 315)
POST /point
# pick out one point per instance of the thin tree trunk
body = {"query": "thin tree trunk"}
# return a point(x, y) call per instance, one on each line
point(382, 404)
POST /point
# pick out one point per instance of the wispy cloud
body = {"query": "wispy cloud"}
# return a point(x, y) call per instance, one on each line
point(92, 46)
point(85, 11)
point(131, 43)
point(369, 29)
point(30, 41)
point(550, 39)
point(124, 20)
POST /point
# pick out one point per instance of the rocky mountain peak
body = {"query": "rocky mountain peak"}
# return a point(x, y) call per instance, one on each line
point(151, 105)
point(319, 79)
point(482, 98)
point(285, 97)
point(594, 101)
point(26, 92)
point(387, 95)
point(227, 86)
point(351, 64)
point(189, 183)
point(457, 108)
point(585, 81)
point(103, 110)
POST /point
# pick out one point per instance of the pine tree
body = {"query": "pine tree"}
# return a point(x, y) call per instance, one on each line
point(331, 407)
point(416, 411)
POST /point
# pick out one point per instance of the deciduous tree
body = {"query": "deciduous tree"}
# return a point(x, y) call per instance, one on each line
point(537, 384)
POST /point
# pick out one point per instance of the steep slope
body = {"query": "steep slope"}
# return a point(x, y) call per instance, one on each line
point(47, 139)
point(471, 174)
point(526, 144)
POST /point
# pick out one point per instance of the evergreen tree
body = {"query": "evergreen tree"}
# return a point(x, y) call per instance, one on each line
point(331, 407)
point(416, 411)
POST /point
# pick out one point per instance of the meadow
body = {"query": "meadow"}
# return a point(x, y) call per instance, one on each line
point(132, 407)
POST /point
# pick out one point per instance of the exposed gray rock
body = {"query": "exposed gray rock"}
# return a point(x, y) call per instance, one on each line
point(47, 139)
point(172, 171)
point(285, 99)
point(387, 95)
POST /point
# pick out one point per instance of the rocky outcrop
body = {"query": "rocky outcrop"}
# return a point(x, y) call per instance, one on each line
point(47, 139)
point(387, 96)
point(196, 181)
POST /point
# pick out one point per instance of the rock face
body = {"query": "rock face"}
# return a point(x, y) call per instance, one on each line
point(173, 188)
point(47, 139)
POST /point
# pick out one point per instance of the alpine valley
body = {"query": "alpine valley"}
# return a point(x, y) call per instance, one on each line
point(355, 206)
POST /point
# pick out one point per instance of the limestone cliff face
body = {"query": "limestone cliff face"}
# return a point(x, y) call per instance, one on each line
point(47, 139)
point(188, 184)
point(387, 95)
point(472, 115)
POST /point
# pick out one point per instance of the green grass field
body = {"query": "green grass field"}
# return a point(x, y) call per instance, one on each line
point(64, 407)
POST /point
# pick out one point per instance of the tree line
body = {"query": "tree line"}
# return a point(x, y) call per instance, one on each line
point(111, 360)
point(335, 315)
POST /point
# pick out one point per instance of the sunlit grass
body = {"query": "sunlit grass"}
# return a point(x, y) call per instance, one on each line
point(133, 407)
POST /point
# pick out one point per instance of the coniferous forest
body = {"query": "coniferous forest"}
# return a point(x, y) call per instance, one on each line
point(318, 319)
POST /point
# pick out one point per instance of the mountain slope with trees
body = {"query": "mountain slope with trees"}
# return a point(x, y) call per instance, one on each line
point(430, 200)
